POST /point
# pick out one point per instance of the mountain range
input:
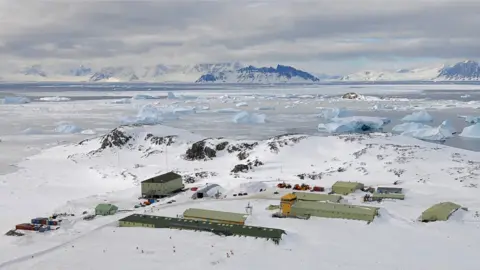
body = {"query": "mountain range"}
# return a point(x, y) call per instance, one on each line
point(236, 72)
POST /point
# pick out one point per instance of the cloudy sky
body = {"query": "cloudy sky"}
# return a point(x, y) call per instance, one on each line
point(332, 36)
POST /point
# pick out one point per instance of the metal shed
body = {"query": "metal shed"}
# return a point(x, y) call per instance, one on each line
point(148, 221)
point(207, 191)
point(105, 209)
point(215, 216)
point(334, 210)
point(394, 190)
point(162, 185)
point(439, 212)
point(306, 196)
point(346, 188)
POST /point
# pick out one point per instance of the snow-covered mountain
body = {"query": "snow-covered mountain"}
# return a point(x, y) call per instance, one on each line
point(420, 74)
point(463, 71)
point(114, 74)
point(251, 74)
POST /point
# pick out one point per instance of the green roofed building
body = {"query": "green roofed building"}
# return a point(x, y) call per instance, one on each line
point(215, 216)
point(333, 210)
point(148, 221)
point(105, 209)
point(382, 196)
point(310, 196)
point(439, 212)
point(346, 188)
point(162, 185)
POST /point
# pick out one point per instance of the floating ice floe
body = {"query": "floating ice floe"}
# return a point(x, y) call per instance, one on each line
point(242, 104)
point(472, 131)
point(264, 108)
point(15, 100)
point(329, 113)
point(470, 119)
point(54, 99)
point(171, 95)
point(354, 124)
point(142, 97)
point(419, 116)
point(249, 118)
point(31, 131)
point(122, 101)
point(68, 129)
point(409, 126)
point(184, 110)
point(428, 133)
point(228, 110)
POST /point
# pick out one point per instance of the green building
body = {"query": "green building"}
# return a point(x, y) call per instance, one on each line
point(439, 212)
point(215, 216)
point(333, 210)
point(318, 197)
point(148, 221)
point(162, 185)
point(381, 196)
point(346, 188)
point(105, 209)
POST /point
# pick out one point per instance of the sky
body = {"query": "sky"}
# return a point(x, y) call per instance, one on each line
point(328, 36)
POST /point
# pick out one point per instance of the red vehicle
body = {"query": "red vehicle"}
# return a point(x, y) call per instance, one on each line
point(318, 189)
point(25, 227)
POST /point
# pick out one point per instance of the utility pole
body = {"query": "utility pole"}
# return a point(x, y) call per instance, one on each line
point(166, 156)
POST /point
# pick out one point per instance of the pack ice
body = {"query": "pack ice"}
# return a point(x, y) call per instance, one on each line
point(354, 124)
point(329, 113)
point(419, 116)
point(15, 100)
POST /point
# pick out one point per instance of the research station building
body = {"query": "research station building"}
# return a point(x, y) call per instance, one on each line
point(162, 185)
point(346, 188)
point(439, 212)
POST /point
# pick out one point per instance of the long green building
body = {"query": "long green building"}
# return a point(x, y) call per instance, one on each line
point(334, 210)
point(439, 212)
point(317, 197)
point(149, 221)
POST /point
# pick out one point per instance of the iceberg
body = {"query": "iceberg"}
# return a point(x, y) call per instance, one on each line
point(428, 133)
point(150, 115)
point(54, 99)
point(31, 131)
point(68, 129)
point(122, 101)
point(472, 131)
point(419, 116)
point(142, 97)
point(249, 118)
point(329, 113)
point(409, 126)
point(354, 124)
point(264, 108)
point(185, 110)
point(171, 95)
point(15, 100)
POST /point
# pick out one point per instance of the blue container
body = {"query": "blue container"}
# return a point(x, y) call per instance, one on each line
point(151, 200)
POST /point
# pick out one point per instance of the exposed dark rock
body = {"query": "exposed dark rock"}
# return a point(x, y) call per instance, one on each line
point(350, 95)
point(241, 147)
point(192, 178)
point(312, 176)
point(240, 168)
point(199, 151)
point(242, 155)
point(115, 138)
point(254, 163)
point(278, 142)
point(167, 140)
point(221, 146)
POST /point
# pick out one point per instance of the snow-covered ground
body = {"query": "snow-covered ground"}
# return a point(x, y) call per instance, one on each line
point(55, 163)
point(74, 178)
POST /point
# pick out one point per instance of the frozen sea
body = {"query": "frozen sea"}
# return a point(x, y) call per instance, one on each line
point(26, 129)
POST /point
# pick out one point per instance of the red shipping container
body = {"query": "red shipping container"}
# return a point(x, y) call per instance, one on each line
point(318, 189)
point(194, 189)
point(27, 227)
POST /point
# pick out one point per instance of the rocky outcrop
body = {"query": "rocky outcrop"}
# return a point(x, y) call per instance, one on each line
point(246, 167)
point(200, 151)
point(278, 142)
point(221, 146)
point(311, 176)
point(195, 177)
point(166, 140)
point(350, 95)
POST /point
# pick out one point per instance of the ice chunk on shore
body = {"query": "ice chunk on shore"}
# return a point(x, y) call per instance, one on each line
point(15, 100)
point(419, 116)
point(472, 131)
point(447, 125)
point(329, 113)
point(54, 99)
point(249, 118)
point(354, 124)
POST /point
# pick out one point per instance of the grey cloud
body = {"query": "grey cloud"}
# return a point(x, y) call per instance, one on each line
point(242, 30)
